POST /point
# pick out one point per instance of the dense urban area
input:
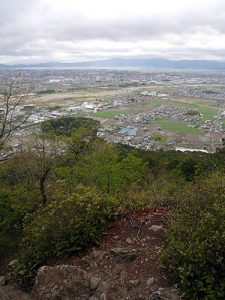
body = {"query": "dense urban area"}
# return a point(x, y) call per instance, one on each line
point(149, 110)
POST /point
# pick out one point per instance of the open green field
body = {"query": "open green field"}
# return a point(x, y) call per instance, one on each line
point(177, 126)
point(207, 111)
point(107, 114)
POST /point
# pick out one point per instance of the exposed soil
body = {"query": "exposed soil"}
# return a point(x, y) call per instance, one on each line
point(133, 232)
point(5, 260)
point(125, 264)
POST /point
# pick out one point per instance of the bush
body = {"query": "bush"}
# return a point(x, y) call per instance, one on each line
point(64, 227)
point(193, 112)
point(195, 250)
point(16, 205)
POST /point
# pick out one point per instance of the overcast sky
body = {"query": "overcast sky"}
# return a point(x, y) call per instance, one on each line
point(78, 30)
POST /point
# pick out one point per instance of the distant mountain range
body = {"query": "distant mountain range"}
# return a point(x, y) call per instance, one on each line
point(128, 63)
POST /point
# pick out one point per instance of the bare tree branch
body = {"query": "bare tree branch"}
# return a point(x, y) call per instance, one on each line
point(13, 94)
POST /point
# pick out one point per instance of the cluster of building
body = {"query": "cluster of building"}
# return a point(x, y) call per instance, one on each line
point(212, 92)
point(132, 136)
point(140, 131)
point(161, 112)
point(213, 126)
point(133, 129)
point(67, 79)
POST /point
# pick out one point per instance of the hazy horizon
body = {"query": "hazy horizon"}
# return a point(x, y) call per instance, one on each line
point(65, 31)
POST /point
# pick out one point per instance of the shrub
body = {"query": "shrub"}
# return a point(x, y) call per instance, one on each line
point(195, 250)
point(16, 205)
point(189, 169)
point(159, 137)
point(64, 227)
point(193, 112)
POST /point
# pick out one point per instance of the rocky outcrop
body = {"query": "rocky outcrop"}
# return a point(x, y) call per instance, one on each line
point(70, 282)
point(61, 282)
point(125, 265)
point(67, 282)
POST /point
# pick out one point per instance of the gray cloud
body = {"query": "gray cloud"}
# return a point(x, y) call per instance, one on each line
point(46, 30)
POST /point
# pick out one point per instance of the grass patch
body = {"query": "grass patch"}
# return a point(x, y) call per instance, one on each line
point(177, 126)
point(160, 138)
point(207, 111)
point(107, 114)
point(92, 89)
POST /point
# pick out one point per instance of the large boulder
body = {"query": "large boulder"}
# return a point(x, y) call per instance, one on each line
point(66, 282)
point(61, 282)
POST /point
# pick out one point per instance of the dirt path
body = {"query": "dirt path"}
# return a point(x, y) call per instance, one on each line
point(125, 265)
point(127, 258)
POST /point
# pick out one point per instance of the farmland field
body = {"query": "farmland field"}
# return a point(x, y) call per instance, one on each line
point(176, 126)
point(107, 114)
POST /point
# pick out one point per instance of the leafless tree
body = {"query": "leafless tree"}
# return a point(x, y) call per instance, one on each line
point(13, 93)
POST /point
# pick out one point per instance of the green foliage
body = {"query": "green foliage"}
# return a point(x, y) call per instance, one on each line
point(65, 125)
point(16, 206)
point(6, 216)
point(20, 272)
point(193, 112)
point(195, 250)
point(104, 167)
point(189, 169)
point(159, 137)
point(12, 172)
point(86, 177)
point(47, 91)
point(80, 142)
point(66, 226)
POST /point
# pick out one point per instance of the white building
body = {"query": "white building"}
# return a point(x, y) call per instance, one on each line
point(89, 105)
point(182, 149)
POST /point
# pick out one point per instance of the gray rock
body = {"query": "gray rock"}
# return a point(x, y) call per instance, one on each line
point(103, 297)
point(169, 293)
point(129, 241)
point(2, 280)
point(94, 258)
point(61, 282)
point(135, 282)
point(94, 282)
point(150, 281)
point(124, 254)
point(155, 296)
point(156, 228)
